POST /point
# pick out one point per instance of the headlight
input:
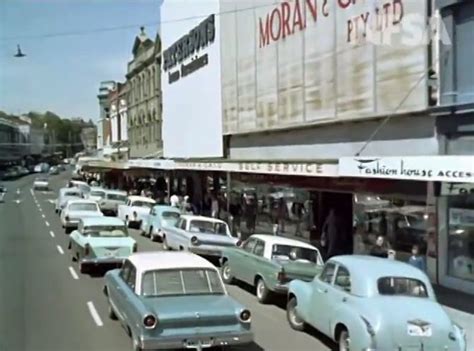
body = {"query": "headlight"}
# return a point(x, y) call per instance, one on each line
point(194, 240)
point(245, 316)
point(150, 321)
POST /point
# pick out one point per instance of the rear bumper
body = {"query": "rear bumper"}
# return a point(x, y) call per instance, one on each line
point(71, 224)
point(102, 262)
point(192, 341)
point(214, 252)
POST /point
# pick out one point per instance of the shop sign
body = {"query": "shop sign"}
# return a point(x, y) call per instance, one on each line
point(424, 168)
point(207, 166)
point(154, 164)
point(300, 169)
point(457, 189)
point(461, 217)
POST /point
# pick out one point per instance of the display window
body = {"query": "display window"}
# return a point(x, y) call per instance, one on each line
point(461, 237)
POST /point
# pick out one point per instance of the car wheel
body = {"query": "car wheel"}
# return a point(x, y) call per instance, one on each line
point(226, 273)
point(111, 312)
point(262, 292)
point(67, 230)
point(294, 320)
point(165, 244)
point(344, 340)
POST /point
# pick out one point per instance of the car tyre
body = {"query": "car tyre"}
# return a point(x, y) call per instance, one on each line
point(226, 273)
point(165, 244)
point(111, 312)
point(150, 233)
point(262, 292)
point(344, 340)
point(68, 230)
point(294, 320)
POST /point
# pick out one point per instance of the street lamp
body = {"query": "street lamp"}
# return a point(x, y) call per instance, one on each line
point(19, 53)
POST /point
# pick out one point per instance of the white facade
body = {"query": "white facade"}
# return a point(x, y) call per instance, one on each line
point(114, 123)
point(123, 117)
point(100, 134)
point(192, 113)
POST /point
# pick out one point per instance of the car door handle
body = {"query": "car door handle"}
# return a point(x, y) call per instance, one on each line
point(323, 290)
point(344, 299)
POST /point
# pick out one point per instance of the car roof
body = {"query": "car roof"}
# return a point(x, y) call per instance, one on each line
point(366, 270)
point(278, 240)
point(209, 219)
point(167, 208)
point(97, 188)
point(141, 198)
point(118, 192)
point(78, 182)
point(64, 190)
point(146, 261)
point(89, 221)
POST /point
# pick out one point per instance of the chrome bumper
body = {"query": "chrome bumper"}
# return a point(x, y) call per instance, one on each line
point(71, 224)
point(102, 261)
point(206, 252)
point(203, 341)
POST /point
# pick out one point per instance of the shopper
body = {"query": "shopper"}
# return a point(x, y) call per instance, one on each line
point(416, 260)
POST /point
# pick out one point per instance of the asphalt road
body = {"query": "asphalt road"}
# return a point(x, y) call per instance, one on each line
point(47, 305)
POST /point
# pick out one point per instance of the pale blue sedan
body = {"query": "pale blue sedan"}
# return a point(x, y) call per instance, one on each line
point(368, 303)
point(159, 217)
point(100, 242)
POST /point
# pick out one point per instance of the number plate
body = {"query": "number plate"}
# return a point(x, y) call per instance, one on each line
point(110, 253)
point(416, 330)
point(195, 344)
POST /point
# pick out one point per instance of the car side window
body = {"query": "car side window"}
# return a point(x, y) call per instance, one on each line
point(327, 274)
point(132, 277)
point(343, 279)
point(183, 224)
point(125, 271)
point(259, 248)
point(178, 223)
point(249, 245)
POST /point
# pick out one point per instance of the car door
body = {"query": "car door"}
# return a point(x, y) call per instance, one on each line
point(240, 265)
point(340, 292)
point(148, 220)
point(256, 262)
point(116, 291)
point(128, 301)
point(320, 308)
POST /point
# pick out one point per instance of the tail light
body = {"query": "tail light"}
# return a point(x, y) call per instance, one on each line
point(245, 316)
point(135, 247)
point(282, 277)
point(150, 321)
point(87, 250)
point(194, 240)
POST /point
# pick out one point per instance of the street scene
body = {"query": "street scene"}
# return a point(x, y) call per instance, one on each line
point(237, 175)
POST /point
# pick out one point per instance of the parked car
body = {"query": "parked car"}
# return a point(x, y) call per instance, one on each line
point(66, 194)
point(174, 300)
point(41, 183)
point(159, 216)
point(269, 263)
point(201, 235)
point(370, 303)
point(96, 194)
point(100, 242)
point(108, 205)
point(75, 210)
point(134, 210)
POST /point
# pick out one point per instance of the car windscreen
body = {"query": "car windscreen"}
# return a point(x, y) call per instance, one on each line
point(73, 194)
point(208, 227)
point(83, 207)
point(117, 197)
point(287, 252)
point(106, 231)
point(41, 179)
point(97, 193)
point(175, 282)
point(401, 286)
point(142, 204)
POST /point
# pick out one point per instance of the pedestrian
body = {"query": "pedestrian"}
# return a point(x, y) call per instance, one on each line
point(214, 207)
point(416, 260)
point(332, 238)
point(297, 209)
point(174, 200)
point(380, 248)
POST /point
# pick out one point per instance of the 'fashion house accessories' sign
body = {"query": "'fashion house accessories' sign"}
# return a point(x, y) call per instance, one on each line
point(425, 168)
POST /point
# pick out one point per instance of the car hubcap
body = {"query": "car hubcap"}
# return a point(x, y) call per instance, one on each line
point(260, 289)
point(294, 316)
point(226, 272)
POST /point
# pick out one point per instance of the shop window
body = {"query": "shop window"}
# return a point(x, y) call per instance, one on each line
point(401, 223)
point(461, 237)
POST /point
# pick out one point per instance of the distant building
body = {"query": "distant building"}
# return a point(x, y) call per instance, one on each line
point(9, 136)
point(144, 98)
point(103, 125)
point(118, 119)
point(89, 139)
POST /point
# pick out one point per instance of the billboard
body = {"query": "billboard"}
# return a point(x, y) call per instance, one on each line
point(298, 62)
point(191, 79)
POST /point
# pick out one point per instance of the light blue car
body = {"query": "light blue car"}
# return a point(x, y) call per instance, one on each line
point(100, 242)
point(369, 303)
point(175, 300)
point(159, 217)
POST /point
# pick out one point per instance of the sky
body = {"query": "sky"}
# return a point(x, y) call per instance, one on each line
point(62, 74)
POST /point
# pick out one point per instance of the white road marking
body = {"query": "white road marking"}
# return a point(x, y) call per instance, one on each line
point(47, 223)
point(73, 273)
point(52, 201)
point(60, 249)
point(94, 314)
point(51, 233)
point(43, 215)
point(18, 201)
point(32, 193)
point(18, 191)
point(40, 209)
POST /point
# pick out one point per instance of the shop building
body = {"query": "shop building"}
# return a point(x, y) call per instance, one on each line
point(144, 97)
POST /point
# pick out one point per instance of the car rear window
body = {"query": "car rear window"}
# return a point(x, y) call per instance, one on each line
point(117, 197)
point(285, 252)
point(83, 207)
point(402, 286)
point(72, 194)
point(208, 227)
point(142, 204)
point(181, 282)
point(170, 215)
point(97, 193)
